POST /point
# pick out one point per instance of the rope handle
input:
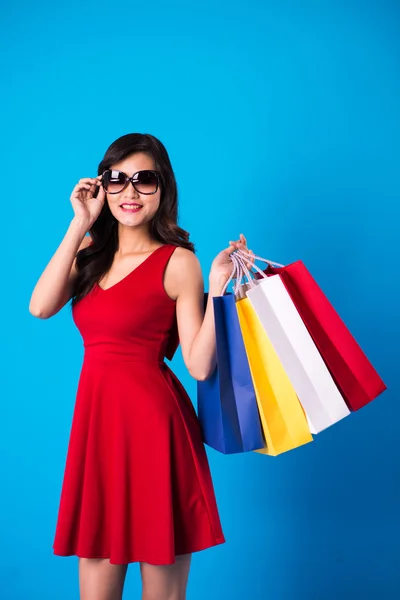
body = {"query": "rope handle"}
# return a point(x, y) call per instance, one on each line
point(243, 271)
point(240, 270)
point(237, 274)
point(232, 275)
point(254, 256)
point(242, 267)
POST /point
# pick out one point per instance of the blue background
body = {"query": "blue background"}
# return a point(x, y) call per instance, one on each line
point(294, 106)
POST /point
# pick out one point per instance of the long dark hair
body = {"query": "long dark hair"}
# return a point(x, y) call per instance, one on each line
point(95, 260)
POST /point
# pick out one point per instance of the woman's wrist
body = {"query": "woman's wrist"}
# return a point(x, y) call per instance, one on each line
point(216, 284)
point(80, 223)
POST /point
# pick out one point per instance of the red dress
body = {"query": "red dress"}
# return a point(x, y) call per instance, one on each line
point(137, 484)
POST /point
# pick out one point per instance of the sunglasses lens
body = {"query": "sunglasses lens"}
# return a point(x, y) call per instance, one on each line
point(146, 182)
point(113, 181)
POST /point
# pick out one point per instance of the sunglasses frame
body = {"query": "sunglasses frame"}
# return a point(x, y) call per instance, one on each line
point(132, 180)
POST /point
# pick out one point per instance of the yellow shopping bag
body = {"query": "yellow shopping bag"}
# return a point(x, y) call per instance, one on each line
point(282, 417)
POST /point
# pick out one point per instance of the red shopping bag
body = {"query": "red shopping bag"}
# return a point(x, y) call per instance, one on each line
point(350, 368)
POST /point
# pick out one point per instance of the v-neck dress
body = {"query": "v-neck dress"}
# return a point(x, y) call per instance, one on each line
point(137, 484)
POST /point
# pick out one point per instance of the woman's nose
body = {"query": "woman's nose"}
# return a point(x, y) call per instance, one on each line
point(131, 191)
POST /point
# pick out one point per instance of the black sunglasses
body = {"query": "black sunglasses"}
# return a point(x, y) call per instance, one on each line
point(145, 182)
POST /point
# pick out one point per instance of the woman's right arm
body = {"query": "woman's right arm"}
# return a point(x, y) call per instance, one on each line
point(55, 285)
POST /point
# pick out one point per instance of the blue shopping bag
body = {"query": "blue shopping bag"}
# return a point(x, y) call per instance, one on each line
point(226, 402)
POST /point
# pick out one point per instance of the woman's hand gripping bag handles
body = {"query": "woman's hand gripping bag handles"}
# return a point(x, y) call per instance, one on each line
point(226, 402)
point(284, 422)
point(312, 381)
point(352, 371)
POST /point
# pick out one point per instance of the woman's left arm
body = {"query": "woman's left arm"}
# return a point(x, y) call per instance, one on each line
point(195, 326)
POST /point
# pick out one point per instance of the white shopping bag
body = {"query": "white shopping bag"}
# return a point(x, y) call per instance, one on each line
point(321, 400)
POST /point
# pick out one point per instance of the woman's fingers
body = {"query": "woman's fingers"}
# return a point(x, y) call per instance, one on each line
point(87, 183)
point(231, 248)
point(251, 261)
point(241, 244)
point(89, 179)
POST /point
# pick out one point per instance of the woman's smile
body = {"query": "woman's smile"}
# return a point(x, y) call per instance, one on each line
point(130, 207)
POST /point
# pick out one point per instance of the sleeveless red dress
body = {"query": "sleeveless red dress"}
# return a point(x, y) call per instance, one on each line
point(137, 484)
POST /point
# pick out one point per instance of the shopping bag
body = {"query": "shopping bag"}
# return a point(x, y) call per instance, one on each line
point(310, 377)
point(226, 403)
point(352, 371)
point(284, 422)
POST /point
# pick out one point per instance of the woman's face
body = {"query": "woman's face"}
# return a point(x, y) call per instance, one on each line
point(146, 204)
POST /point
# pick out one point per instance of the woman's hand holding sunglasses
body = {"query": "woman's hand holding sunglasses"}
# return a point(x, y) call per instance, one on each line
point(87, 199)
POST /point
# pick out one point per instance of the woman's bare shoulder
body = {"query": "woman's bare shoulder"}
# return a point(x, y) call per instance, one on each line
point(183, 272)
point(182, 258)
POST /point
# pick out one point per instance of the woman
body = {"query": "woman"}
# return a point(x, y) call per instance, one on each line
point(137, 485)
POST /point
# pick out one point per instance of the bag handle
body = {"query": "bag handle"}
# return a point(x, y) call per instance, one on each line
point(234, 273)
point(243, 266)
point(243, 269)
point(237, 273)
point(254, 256)
point(240, 270)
